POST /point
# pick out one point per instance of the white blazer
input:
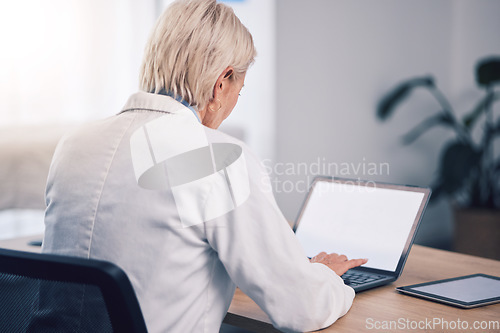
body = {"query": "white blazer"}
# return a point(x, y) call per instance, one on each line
point(188, 213)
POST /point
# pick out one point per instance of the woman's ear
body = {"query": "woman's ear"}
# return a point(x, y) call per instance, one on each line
point(229, 73)
point(223, 81)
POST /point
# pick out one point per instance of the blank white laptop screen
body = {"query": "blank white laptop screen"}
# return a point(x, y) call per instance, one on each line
point(359, 221)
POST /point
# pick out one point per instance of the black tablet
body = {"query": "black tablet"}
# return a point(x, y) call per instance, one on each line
point(464, 291)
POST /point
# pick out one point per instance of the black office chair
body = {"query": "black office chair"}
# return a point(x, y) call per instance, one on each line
point(52, 293)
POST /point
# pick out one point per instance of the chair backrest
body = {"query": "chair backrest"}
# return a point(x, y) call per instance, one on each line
point(53, 293)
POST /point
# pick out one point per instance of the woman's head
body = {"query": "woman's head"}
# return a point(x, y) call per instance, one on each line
point(192, 44)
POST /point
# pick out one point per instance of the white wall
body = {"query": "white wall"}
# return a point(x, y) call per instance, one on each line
point(476, 34)
point(69, 60)
point(335, 60)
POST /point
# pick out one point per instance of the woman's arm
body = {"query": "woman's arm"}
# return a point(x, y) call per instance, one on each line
point(264, 258)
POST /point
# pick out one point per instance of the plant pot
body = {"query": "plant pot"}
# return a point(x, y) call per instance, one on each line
point(477, 232)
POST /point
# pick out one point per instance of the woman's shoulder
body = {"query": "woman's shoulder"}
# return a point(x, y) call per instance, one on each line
point(230, 136)
point(251, 158)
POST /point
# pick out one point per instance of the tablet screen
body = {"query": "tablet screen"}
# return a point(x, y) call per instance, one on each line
point(466, 290)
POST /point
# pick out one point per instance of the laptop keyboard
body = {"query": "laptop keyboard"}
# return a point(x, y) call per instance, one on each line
point(356, 278)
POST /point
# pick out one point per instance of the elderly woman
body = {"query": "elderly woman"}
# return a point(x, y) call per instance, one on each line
point(184, 209)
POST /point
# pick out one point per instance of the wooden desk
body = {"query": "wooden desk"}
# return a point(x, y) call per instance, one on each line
point(381, 304)
point(385, 304)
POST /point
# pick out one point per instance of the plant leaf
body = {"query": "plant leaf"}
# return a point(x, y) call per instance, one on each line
point(497, 166)
point(458, 162)
point(488, 71)
point(492, 131)
point(390, 100)
point(480, 108)
point(437, 191)
point(439, 119)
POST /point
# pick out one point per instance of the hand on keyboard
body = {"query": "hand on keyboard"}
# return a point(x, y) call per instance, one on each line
point(338, 263)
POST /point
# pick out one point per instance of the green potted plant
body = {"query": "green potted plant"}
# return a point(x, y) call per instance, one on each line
point(469, 169)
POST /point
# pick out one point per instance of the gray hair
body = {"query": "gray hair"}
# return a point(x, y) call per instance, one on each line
point(192, 42)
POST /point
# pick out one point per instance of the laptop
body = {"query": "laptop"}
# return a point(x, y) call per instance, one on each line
point(362, 219)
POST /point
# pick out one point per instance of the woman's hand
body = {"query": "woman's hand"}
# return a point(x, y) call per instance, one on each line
point(338, 263)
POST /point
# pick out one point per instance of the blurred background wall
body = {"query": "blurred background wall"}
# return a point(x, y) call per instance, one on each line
point(67, 61)
point(336, 59)
point(308, 106)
